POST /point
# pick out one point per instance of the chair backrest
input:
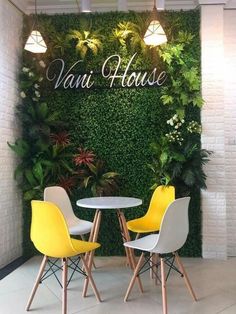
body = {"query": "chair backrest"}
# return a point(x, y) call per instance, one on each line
point(161, 198)
point(49, 231)
point(58, 196)
point(174, 227)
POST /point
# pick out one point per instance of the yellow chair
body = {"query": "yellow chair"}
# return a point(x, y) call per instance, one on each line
point(151, 221)
point(50, 235)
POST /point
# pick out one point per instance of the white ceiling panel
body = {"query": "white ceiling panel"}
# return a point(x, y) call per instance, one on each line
point(65, 6)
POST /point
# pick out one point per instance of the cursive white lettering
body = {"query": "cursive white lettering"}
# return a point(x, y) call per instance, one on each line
point(111, 69)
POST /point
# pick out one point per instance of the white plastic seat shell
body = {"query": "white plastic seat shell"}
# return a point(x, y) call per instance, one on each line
point(173, 232)
point(172, 236)
point(59, 197)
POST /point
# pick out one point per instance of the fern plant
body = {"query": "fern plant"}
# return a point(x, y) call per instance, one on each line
point(86, 39)
point(131, 35)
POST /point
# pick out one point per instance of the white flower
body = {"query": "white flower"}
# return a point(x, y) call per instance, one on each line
point(36, 86)
point(22, 94)
point(35, 99)
point(40, 79)
point(42, 64)
point(31, 74)
point(171, 122)
point(25, 70)
point(37, 94)
point(175, 117)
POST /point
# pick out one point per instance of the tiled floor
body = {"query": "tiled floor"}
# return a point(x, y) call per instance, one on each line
point(213, 281)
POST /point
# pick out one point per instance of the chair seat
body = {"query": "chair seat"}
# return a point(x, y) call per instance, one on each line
point(83, 246)
point(146, 243)
point(79, 226)
point(143, 225)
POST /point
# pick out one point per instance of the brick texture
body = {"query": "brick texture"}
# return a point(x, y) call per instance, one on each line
point(218, 28)
point(10, 204)
point(214, 229)
point(230, 126)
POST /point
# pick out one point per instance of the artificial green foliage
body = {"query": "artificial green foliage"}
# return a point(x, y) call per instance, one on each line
point(119, 124)
point(42, 160)
point(181, 166)
point(100, 182)
point(131, 34)
point(92, 174)
point(86, 40)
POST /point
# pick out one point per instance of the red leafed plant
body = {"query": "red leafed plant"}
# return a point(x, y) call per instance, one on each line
point(92, 174)
point(61, 138)
point(84, 157)
point(67, 182)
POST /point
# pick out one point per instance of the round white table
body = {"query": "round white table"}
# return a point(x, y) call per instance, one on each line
point(109, 202)
point(105, 203)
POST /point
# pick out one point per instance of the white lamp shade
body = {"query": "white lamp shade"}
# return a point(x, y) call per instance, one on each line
point(85, 6)
point(35, 43)
point(155, 34)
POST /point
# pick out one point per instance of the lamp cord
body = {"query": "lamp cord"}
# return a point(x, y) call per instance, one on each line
point(77, 5)
point(35, 23)
point(18, 8)
point(154, 4)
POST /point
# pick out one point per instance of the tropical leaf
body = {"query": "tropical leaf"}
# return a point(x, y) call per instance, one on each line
point(38, 172)
point(86, 40)
point(21, 147)
point(30, 177)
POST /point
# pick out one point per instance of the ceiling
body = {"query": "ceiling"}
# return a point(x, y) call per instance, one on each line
point(64, 6)
point(67, 6)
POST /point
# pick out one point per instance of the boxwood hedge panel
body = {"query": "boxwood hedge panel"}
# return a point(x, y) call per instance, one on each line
point(118, 123)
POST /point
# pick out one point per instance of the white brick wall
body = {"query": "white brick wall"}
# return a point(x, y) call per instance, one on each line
point(10, 203)
point(230, 125)
point(214, 229)
point(218, 29)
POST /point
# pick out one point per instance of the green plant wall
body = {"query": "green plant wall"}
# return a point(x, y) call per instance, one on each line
point(117, 123)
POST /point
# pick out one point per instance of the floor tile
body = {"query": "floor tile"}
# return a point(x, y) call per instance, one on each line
point(213, 281)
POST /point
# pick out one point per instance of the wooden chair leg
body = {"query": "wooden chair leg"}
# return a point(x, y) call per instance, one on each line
point(186, 279)
point(89, 259)
point(64, 285)
point(163, 287)
point(121, 223)
point(135, 274)
point(35, 287)
point(83, 238)
point(91, 235)
point(129, 251)
point(90, 279)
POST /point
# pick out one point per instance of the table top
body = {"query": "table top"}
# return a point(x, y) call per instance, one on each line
point(109, 202)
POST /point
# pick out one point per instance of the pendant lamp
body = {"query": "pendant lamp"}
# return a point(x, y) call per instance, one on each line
point(35, 42)
point(85, 6)
point(155, 34)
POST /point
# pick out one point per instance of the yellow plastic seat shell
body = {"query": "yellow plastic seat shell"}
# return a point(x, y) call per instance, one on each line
point(151, 221)
point(50, 235)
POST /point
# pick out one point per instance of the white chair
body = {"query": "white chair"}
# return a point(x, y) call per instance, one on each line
point(59, 197)
point(172, 236)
